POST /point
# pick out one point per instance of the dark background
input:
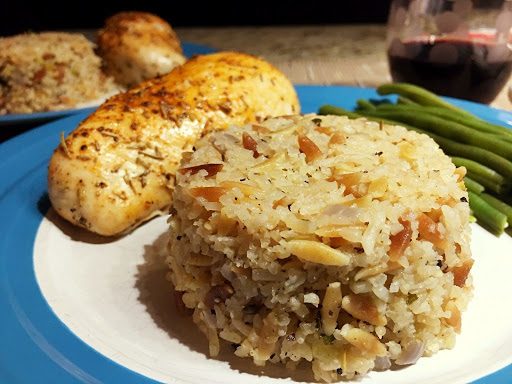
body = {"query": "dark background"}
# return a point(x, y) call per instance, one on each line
point(19, 16)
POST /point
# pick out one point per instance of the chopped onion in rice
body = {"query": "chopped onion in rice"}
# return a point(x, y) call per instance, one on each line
point(411, 354)
point(339, 215)
point(382, 363)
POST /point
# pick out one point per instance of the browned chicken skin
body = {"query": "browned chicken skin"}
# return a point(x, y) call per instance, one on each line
point(117, 168)
point(136, 46)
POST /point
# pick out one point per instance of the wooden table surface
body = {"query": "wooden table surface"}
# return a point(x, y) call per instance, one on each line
point(330, 54)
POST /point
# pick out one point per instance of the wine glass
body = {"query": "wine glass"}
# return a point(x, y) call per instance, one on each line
point(457, 48)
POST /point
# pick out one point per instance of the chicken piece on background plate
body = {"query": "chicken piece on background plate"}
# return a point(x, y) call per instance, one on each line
point(117, 168)
point(137, 46)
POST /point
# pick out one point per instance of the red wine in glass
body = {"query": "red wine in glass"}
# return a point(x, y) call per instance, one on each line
point(472, 68)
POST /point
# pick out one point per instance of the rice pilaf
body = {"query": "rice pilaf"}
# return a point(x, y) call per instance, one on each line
point(50, 71)
point(343, 243)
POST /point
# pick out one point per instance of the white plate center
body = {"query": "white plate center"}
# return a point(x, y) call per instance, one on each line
point(113, 295)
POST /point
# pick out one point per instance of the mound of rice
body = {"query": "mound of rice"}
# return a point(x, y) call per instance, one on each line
point(50, 71)
point(343, 243)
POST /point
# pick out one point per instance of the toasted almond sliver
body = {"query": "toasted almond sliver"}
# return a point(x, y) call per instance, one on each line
point(365, 341)
point(363, 308)
point(331, 306)
point(429, 231)
point(250, 144)
point(212, 169)
point(350, 233)
point(348, 179)
point(212, 194)
point(309, 148)
point(337, 138)
point(282, 202)
point(316, 252)
point(461, 273)
point(269, 164)
point(324, 130)
point(360, 201)
point(455, 319)
point(400, 241)
point(336, 242)
point(246, 189)
point(378, 187)
point(260, 129)
point(290, 129)
point(375, 270)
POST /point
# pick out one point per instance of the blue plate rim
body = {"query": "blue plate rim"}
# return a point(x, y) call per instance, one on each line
point(37, 345)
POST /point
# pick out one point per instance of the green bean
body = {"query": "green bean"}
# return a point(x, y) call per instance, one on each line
point(448, 129)
point(417, 94)
point(473, 186)
point(499, 205)
point(470, 121)
point(479, 169)
point(503, 137)
point(483, 156)
point(454, 116)
point(405, 101)
point(487, 216)
point(332, 110)
point(500, 189)
point(365, 105)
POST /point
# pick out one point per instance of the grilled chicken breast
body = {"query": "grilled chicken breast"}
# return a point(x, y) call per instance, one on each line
point(117, 168)
point(136, 46)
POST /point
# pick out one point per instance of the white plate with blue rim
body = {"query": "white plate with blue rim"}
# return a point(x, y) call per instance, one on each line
point(76, 307)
